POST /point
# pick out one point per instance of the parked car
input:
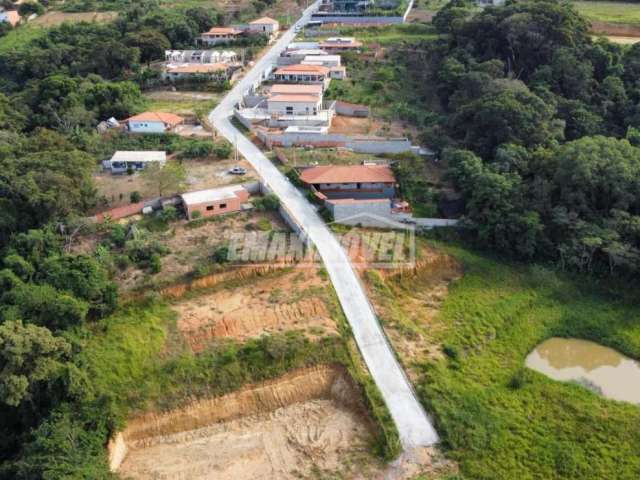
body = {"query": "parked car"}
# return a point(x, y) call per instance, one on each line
point(238, 171)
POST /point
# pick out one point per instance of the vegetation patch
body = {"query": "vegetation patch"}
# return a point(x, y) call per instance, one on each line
point(502, 421)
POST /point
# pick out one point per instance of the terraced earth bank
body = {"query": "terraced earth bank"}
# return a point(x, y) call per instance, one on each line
point(308, 421)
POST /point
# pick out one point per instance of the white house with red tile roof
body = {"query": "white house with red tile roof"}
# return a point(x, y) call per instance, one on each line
point(294, 104)
point(265, 25)
point(303, 74)
point(293, 89)
point(10, 16)
point(153, 122)
point(220, 35)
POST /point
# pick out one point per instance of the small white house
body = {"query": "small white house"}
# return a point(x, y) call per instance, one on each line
point(153, 122)
point(265, 25)
point(294, 105)
point(123, 161)
point(325, 60)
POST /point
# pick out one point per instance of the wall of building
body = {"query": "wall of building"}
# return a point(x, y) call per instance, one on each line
point(372, 146)
point(367, 214)
point(213, 208)
point(352, 191)
point(356, 19)
point(351, 109)
point(147, 127)
point(299, 108)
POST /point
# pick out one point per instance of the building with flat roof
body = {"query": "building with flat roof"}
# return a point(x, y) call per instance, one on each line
point(124, 161)
point(215, 201)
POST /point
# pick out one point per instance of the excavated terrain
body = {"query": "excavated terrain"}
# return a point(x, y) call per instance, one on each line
point(308, 421)
point(294, 300)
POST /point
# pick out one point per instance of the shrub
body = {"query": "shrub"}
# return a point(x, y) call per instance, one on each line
point(135, 197)
point(268, 202)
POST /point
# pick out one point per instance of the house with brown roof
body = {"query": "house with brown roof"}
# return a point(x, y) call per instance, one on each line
point(153, 122)
point(351, 181)
point(340, 44)
point(317, 74)
point(220, 35)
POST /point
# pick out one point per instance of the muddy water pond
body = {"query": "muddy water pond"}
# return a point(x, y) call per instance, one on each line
point(598, 368)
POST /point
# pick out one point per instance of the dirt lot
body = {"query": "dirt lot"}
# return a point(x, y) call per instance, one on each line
point(201, 174)
point(51, 19)
point(306, 422)
point(192, 247)
point(370, 126)
point(182, 102)
point(294, 300)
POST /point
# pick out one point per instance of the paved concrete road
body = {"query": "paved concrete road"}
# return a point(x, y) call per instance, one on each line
point(413, 424)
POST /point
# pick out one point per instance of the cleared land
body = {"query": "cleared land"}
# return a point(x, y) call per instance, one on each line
point(305, 423)
point(611, 12)
point(201, 174)
point(181, 103)
point(53, 18)
point(293, 300)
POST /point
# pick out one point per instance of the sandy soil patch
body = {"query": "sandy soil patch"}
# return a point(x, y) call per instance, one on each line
point(308, 421)
point(622, 40)
point(201, 174)
point(370, 126)
point(294, 300)
point(51, 19)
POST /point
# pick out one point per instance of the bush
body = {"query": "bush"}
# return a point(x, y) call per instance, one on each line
point(269, 202)
point(135, 197)
point(221, 255)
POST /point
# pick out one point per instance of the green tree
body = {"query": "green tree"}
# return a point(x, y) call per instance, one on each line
point(29, 355)
point(166, 179)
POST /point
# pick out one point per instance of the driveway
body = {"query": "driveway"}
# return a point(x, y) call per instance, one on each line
point(413, 424)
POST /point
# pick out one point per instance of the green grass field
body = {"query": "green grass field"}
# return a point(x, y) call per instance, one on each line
point(612, 12)
point(502, 421)
point(19, 36)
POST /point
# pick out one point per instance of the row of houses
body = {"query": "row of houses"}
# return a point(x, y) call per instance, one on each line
point(227, 35)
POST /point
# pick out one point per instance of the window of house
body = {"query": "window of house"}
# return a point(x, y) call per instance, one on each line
point(209, 208)
point(289, 110)
point(223, 205)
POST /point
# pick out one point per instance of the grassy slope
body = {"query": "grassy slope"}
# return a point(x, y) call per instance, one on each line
point(613, 12)
point(530, 427)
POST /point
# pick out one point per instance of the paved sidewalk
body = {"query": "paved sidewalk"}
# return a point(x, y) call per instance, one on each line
point(414, 426)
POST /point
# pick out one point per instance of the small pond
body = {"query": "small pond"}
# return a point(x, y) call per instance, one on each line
point(598, 368)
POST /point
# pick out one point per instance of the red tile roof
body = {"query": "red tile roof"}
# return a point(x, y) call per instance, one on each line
point(294, 98)
point(312, 69)
point(168, 118)
point(289, 89)
point(223, 31)
point(348, 174)
point(265, 21)
point(198, 68)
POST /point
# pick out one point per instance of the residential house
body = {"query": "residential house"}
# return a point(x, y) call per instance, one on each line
point(220, 36)
point(315, 74)
point(265, 25)
point(9, 16)
point(333, 62)
point(200, 56)
point(191, 71)
point(299, 104)
point(350, 6)
point(351, 181)
point(153, 122)
point(292, 57)
point(125, 161)
point(293, 89)
point(215, 201)
point(340, 44)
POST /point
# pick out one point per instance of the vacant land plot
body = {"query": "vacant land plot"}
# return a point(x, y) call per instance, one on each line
point(499, 420)
point(181, 103)
point(325, 156)
point(201, 174)
point(51, 19)
point(611, 12)
point(306, 423)
point(293, 300)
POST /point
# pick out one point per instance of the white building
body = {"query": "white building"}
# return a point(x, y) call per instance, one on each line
point(153, 122)
point(220, 36)
point(324, 60)
point(294, 105)
point(9, 16)
point(265, 25)
point(124, 161)
point(227, 57)
point(187, 71)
